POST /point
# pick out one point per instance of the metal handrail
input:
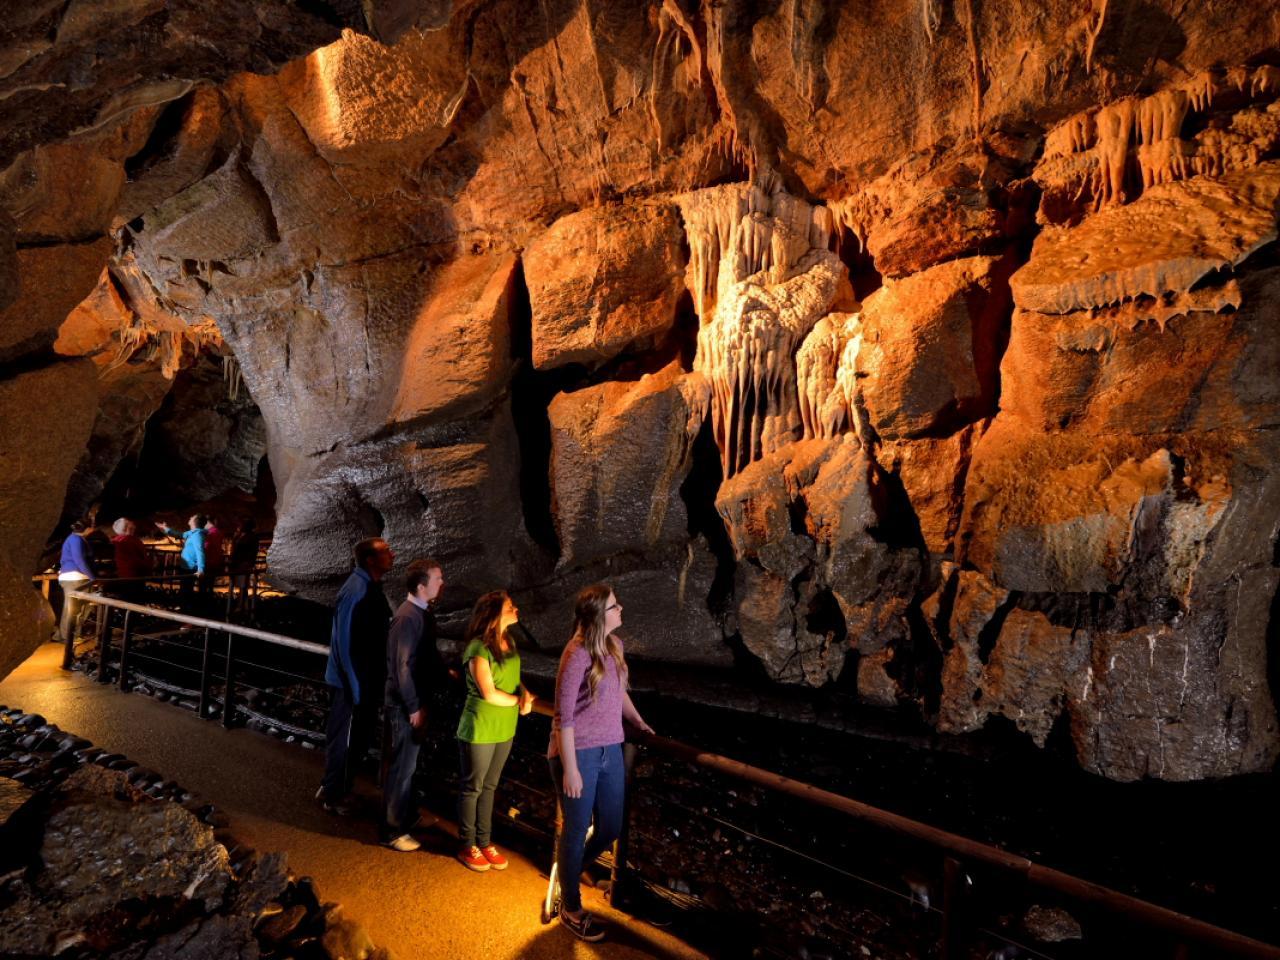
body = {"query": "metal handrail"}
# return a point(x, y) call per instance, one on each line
point(956, 847)
point(221, 626)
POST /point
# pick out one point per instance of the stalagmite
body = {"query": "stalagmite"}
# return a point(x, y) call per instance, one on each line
point(826, 370)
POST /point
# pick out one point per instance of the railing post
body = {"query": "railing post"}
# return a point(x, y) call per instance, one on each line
point(124, 651)
point(621, 846)
point(104, 641)
point(204, 675)
point(229, 696)
point(953, 938)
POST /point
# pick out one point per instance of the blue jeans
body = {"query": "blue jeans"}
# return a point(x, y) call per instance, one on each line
point(604, 787)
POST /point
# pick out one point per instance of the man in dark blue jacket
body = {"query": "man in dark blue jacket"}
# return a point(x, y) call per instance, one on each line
point(415, 672)
point(355, 671)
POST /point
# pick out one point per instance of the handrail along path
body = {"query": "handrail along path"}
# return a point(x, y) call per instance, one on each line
point(1184, 928)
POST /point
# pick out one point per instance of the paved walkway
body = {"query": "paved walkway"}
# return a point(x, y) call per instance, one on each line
point(422, 905)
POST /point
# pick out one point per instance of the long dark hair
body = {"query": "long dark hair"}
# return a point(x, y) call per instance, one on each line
point(486, 616)
point(588, 625)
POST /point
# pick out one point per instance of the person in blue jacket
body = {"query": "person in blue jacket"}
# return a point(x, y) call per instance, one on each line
point(193, 541)
point(356, 671)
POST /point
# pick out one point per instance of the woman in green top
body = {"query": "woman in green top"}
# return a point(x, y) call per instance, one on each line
point(488, 724)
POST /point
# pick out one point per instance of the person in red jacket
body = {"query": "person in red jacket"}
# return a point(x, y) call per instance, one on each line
point(133, 563)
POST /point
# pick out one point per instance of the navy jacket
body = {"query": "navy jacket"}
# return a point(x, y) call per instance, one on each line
point(415, 668)
point(358, 643)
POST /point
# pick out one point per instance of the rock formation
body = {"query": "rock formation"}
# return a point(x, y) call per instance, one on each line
point(925, 349)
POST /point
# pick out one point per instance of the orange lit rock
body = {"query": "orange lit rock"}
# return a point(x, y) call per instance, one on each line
point(457, 358)
point(1162, 243)
point(604, 280)
point(52, 281)
point(930, 347)
point(1208, 361)
point(48, 414)
point(619, 453)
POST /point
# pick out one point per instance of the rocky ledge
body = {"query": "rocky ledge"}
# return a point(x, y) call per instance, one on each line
point(101, 857)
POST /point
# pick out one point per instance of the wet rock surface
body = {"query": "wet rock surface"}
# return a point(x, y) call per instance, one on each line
point(103, 858)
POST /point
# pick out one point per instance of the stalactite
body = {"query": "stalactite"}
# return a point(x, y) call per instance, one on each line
point(233, 376)
point(762, 275)
point(1266, 80)
point(1114, 123)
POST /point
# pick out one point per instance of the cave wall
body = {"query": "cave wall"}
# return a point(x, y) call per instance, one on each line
point(928, 346)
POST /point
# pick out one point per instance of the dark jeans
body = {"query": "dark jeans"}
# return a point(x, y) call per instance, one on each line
point(398, 811)
point(482, 765)
point(348, 736)
point(604, 787)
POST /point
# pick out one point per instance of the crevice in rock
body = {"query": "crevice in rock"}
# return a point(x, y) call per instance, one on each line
point(531, 393)
point(990, 632)
point(30, 361)
point(698, 491)
point(896, 522)
point(863, 275)
point(1265, 257)
point(160, 141)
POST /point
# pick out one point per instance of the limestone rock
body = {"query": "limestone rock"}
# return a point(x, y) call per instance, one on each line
point(52, 281)
point(101, 849)
point(620, 452)
point(1163, 243)
point(1208, 361)
point(932, 473)
point(928, 355)
point(770, 629)
point(203, 442)
point(604, 280)
point(48, 413)
point(458, 355)
point(73, 67)
point(1029, 671)
point(411, 489)
point(975, 603)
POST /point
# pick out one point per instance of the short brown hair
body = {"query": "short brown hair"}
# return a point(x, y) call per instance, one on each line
point(365, 550)
point(419, 571)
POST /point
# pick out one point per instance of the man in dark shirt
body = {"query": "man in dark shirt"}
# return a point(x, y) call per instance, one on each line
point(357, 658)
point(415, 671)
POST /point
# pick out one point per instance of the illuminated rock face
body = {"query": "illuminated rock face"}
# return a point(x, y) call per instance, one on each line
point(967, 401)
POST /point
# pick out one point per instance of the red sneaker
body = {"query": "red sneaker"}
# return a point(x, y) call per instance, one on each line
point(473, 859)
point(496, 859)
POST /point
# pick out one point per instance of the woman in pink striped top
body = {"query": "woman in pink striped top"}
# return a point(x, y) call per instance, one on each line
point(586, 745)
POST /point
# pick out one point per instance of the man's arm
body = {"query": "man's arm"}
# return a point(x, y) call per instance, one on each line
point(404, 640)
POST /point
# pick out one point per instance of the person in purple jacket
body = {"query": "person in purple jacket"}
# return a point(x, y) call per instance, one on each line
point(75, 572)
point(586, 745)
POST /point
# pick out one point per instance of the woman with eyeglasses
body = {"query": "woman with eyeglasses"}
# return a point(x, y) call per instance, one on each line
point(586, 745)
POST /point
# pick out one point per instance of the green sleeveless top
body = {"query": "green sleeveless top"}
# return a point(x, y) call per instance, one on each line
point(483, 722)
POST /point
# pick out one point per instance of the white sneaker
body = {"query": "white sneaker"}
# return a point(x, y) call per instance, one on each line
point(404, 843)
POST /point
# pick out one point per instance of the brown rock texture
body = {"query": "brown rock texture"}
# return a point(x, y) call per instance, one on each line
point(604, 280)
point(926, 347)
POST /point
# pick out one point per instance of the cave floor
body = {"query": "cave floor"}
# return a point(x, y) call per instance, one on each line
point(418, 905)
